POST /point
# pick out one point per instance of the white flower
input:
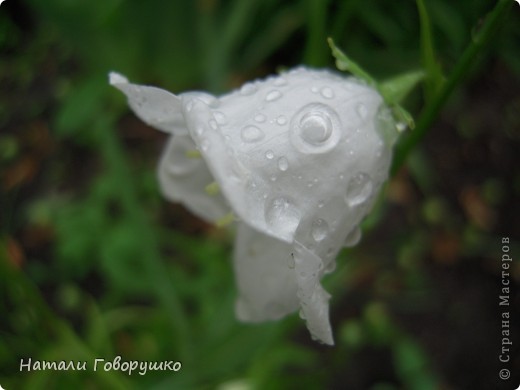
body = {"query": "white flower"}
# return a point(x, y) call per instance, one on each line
point(299, 158)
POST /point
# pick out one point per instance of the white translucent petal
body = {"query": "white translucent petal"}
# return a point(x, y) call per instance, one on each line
point(314, 300)
point(183, 179)
point(264, 270)
point(156, 107)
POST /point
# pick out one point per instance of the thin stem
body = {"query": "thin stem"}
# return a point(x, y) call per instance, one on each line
point(432, 109)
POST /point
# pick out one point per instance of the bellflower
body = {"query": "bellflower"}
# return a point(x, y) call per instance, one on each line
point(298, 159)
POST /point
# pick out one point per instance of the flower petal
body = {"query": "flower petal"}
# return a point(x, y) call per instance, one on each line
point(156, 107)
point(264, 270)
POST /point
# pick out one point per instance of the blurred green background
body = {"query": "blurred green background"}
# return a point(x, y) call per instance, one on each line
point(94, 263)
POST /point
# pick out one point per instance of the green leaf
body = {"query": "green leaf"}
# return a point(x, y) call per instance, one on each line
point(395, 89)
point(346, 64)
point(434, 76)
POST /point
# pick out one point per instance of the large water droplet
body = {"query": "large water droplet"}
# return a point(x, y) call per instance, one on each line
point(251, 134)
point(248, 89)
point(269, 154)
point(361, 110)
point(282, 215)
point(320, 229)
point(353, 237)
point(359, 189)
point(260, 118)
point(283, 164)
point(316, 128)
point(273, 95)
point(327, 93)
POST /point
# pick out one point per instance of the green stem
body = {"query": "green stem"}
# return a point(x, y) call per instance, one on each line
point(153, 263)
point(432, 109)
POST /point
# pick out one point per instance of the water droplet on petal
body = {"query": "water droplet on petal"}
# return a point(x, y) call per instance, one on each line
point(353, 237)
point(248, 89)
point(281, 120)
point(214, 103)
point(260, 118)
point(314, 90)
point(213, 124)
point(290, 262)
point(204, 144)
point(361, 110)
point(280, 81)
point(359, 189)
point(273, 95)
point(220, 117)
point(251, 134)
point(330, 267)
point(321, 204)
point(315, 127)
point(282, 215)
point(327, 93)
point(283, 164)
point(189, 105)
point(320, 229)
point(269, 155)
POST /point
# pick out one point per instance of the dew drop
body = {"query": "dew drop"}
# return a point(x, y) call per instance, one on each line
point(280, 81)
point(314, 90)
point(282, 215)
point(251, 134)
point(189, 105)
point(361, 110)
point(273, 178)
point(330, 267)
point(214, 103)
point(327, 93)
point(290, 261)
point(353, 237)
point(260, 118)
point(213, 124)
point(321, 204)
point(220, 117)
point(269, 155)
point(281, 120)
point(204, 144)
point(248, 89)
point(359, 189)
point(283, 164)
point(273, 95)
point(315, 127)
point(320, 229)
